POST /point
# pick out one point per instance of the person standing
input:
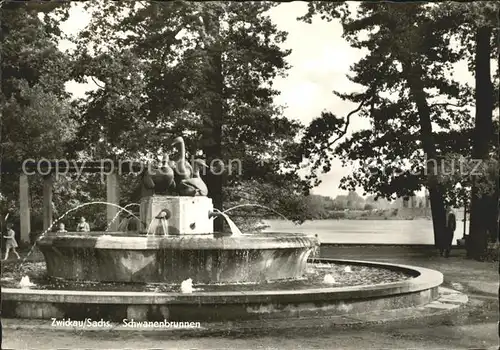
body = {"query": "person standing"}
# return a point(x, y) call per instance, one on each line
point(451, 225)
point(11, 242)
point(83, 226)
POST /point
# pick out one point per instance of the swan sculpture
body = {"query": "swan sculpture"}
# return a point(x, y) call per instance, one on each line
point(182, 169)
point(194, 186)
point(160, 180)
point(164, 177)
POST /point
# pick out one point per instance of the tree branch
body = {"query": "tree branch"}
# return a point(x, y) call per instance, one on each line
point(348, 121)
point(446, 104)
point(95, 82)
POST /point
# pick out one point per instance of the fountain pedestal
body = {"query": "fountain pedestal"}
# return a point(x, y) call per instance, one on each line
point(186, 215)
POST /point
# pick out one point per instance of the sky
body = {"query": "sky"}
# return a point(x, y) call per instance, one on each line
point(320, 61)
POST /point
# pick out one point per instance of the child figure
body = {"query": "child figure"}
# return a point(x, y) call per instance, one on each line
point(11, 242)
point(83, 226)
point(62, 228)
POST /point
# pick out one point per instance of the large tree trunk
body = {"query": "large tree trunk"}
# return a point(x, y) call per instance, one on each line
point(1, 97)
point(414, 78)
point(214, 151)
point(482, 211)
point(213, 124)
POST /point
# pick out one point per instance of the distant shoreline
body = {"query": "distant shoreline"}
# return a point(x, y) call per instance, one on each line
point(366, 218)
point(374, 214)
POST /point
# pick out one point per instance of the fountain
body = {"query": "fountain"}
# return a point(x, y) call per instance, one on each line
point(178, 244)
point(183, 247)
point(205, 276)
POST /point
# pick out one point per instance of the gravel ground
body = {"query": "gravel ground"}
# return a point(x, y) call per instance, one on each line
point(474, 327)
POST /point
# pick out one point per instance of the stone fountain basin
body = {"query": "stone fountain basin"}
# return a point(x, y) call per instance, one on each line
point(119, 257)
point(227, 306)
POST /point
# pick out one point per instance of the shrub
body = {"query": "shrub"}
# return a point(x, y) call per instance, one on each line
point(368, 206)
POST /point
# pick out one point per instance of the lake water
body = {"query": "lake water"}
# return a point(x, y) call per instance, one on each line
point(417, 231)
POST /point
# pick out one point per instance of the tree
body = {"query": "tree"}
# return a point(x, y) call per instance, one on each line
point(36, 116)
point(478, 33)
point(484, 207)
point(202, 70)
point(404, 77)
point(377, 203)
point(280, 202)
point(354, 200)
point(340, 202)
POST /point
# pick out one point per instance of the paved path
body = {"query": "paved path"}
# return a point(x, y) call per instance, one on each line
point(474, 327)
point(479, 336)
